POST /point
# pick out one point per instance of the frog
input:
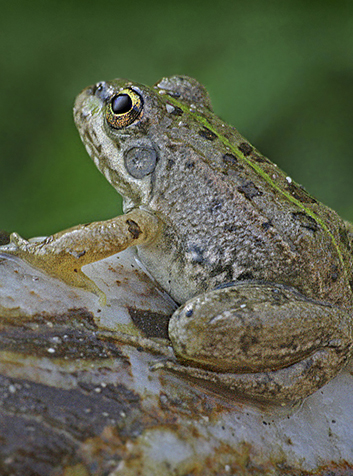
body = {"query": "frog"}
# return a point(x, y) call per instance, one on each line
point(261, 271)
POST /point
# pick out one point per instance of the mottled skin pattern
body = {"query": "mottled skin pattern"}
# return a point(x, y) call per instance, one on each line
point(263, 272)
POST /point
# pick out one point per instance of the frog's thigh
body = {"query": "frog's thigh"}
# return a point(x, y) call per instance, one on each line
point(257, 327)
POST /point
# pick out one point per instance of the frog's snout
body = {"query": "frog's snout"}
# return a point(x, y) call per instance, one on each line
point(88, 99)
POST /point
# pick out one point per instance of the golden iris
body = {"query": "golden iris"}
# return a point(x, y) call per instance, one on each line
point(124, 108)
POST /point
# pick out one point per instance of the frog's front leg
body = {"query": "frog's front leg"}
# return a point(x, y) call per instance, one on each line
point(63, 254)
point(261, 341)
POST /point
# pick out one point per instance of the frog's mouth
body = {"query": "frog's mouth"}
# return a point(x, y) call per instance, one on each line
point(87, 113)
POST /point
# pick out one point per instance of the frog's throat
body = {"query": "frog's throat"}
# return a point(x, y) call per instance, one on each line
point(263, 174)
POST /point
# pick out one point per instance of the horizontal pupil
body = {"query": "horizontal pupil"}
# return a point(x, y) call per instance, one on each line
point(121, 104)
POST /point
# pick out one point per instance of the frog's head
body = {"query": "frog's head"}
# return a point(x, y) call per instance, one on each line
point(122, 125)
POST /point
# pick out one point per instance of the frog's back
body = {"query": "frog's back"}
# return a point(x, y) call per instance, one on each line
point(259, 224)
point(318, 237)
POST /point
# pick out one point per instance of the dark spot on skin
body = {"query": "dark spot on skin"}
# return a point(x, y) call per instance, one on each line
point(306, 221)
point(75, 270)
point(266, 225)
point(189, 164)
point(250, 190)
point(228, 136)
point(300, 193)
point(230, 159)
point(247, 341)
point(183, 348)
point(134, 229)
point(215, 205)
point(245, 148)
point(334, 272)
point(230, 228)
point(245, 276)
point(99, 148)
point(220, 269)
point(88, 137)
point(207, 134)
point(170, 164)
point(260, 159)
point(176, 111)
point(231, 162)
point(173, 147)
point(189, 312)
point(196, 254)
point(173, 94)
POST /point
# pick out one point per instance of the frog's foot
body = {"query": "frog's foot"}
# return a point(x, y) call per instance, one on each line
point(278, 387)
point(154, 346)
point(63, 254)
point(42, 254)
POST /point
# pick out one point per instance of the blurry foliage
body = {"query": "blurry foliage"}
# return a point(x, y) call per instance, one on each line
point(281, 72)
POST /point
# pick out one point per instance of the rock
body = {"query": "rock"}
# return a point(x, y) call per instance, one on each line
point(75, 402)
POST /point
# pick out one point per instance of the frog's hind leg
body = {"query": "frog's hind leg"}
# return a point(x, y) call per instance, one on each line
point(266, 341)
point(279, 387)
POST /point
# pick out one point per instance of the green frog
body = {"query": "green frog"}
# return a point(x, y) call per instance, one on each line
point(261, 270)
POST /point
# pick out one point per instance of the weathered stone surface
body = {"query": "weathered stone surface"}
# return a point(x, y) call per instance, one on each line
point(75, 403)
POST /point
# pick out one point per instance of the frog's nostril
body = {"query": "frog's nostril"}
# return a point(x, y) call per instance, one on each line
point(100, 90)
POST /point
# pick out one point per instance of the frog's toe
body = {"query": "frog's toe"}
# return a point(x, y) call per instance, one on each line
point(16, 239)
point(8, 248)
point(15, 246)
point(167, 363)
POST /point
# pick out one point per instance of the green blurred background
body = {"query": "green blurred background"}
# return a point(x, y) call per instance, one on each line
point(281, 72)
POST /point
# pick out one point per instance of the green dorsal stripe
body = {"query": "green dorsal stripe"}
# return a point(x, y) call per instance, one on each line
point(259, 171)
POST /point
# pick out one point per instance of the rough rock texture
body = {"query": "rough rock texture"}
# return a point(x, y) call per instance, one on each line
point(75, 403)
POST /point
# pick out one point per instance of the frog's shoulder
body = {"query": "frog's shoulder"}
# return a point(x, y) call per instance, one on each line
point(185, 89)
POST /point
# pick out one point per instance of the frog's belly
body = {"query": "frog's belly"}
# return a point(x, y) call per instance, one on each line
point(183, 276)
point(168, 271)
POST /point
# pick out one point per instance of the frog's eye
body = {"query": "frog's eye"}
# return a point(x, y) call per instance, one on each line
point(124, 108)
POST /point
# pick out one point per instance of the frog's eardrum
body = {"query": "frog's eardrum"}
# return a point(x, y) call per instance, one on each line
point(140, 161)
